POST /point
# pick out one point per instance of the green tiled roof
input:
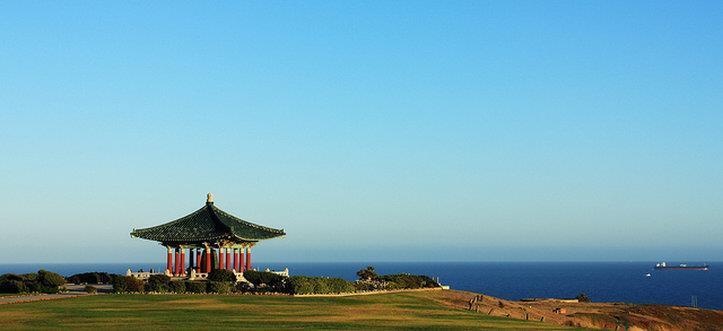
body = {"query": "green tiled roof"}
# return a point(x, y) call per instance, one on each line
point(208, 224)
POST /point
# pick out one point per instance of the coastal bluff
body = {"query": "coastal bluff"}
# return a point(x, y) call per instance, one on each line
point(593, 315)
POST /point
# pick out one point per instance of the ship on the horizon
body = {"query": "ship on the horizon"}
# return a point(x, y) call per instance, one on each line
point(682, 266)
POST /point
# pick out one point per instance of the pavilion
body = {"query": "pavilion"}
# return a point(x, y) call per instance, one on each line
point(213, 238)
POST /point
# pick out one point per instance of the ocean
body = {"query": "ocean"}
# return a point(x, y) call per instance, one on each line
point(601, 281)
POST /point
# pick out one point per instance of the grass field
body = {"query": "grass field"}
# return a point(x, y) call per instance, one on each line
point(418, 310)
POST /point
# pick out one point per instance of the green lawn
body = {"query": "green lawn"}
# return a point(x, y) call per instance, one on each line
point(401, 310)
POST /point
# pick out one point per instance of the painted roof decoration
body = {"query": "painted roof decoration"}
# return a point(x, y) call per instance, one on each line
point(208, 224)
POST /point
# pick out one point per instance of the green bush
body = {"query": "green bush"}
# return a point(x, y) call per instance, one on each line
point(582, 297)
point(219, 287)
point(338, 285)
point(43, 281)
point(31, 277)
point(10, 277)
point(32, 286)
point(90, 289)
point(267, 281)
point(301, 285)
point(319, 285)
point(155, 288)
point(127, 284)
point(158, 283)
point(243, 287)
point(119, 284)
point(91, 278)
point(12, 286)
point(406, 281)
point(221, 275)
point(134, 285)
point(50, 279)
point(367, 286)
point(177, 286)
point(196, 287)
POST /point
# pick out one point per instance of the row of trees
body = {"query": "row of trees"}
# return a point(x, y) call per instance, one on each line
point(40, 282)
point(218, 281)
point(369, 280)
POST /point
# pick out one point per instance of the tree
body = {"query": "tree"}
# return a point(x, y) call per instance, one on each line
point(582, 297)
point(367, 274)
point(50, 279)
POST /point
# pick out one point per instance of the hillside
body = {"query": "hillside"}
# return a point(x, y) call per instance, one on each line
point(415, 310)
point(407, 310)
point(589, 315)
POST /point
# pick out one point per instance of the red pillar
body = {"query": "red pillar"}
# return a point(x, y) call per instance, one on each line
point(176, 261)
point(208, 259)
point(221, 258)
point(198, 260)
point(183, 261)
point(248, 258)
point(241, 260)
point(229, 251)
point(169, 260)
point(235, 259)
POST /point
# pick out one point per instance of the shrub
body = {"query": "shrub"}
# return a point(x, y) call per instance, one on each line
point(155, 288)
point(221, 275)
point(9, 277)
point(32, 286)
point(177, 286)
point(31, 277)
point(219, 287)
point(582, 297)
point(301, 285)
point(47, 289)
point(196, 287)
point(338, 285)
point(319, 285)
point(50, 279)
point(119, 284)
point(243, 287)
point(91, 278)
point(90, 289)
point(12, 286)
point(406, 281)
point(266, 280)
point(367, 286)
point(127, 284)
point(158, 283)
point(134, 285)
point(43, 281)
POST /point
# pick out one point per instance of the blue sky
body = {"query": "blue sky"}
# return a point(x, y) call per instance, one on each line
point(369, 131)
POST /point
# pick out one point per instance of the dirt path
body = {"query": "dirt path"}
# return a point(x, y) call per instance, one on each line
point(4, 300)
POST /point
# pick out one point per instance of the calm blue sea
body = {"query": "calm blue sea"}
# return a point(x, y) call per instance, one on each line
point(621, 281)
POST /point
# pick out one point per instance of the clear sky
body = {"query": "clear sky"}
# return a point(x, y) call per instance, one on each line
point(374, 131)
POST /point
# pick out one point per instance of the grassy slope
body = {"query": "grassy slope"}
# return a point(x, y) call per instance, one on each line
point(403, 310)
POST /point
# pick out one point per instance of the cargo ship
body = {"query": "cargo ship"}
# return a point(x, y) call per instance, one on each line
point(682, 266)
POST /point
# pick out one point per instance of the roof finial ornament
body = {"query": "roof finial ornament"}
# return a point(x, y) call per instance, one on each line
point(209, 198)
